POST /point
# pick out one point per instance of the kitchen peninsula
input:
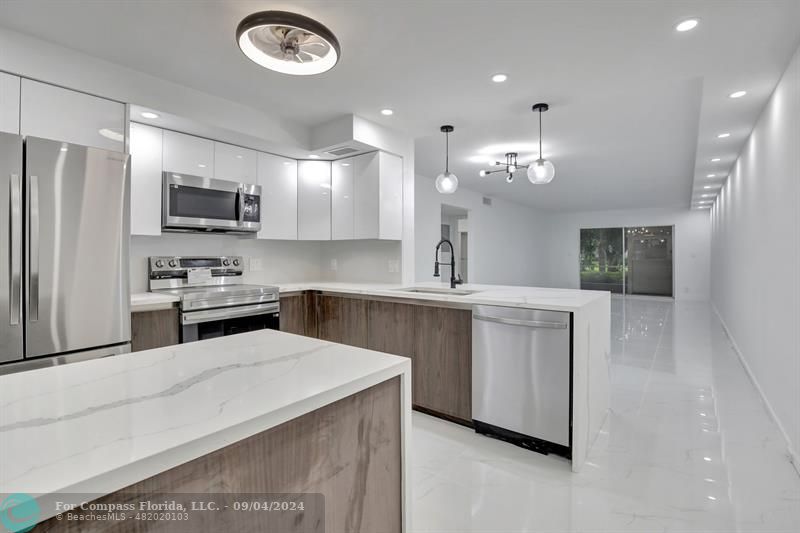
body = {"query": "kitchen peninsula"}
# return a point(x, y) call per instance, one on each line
point(261, 412)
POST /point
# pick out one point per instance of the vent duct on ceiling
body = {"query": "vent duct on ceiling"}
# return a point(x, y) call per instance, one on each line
point(342, 150)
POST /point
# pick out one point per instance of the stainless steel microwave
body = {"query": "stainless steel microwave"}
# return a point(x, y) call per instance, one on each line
point(192, 203)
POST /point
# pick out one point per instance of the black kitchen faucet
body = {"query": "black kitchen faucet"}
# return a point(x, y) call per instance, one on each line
point(453, 280)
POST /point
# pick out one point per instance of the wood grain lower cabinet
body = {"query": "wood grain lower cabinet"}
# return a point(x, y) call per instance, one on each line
point(442, 361)
point(391, 328)
point(342, 320)
point(293, 314)
point(154, 329)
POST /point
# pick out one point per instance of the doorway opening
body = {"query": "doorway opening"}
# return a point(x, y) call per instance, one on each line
point(628, 260)
point(455, 228)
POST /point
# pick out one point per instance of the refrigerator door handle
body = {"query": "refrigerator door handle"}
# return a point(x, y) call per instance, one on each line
point(33, 302)
point(15, 244)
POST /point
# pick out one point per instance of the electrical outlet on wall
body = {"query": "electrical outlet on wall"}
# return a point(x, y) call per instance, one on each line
point(255, 264)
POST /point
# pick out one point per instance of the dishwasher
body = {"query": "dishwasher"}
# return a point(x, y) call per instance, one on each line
point(522, 376)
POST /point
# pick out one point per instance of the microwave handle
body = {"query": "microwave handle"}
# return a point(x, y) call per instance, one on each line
point(240, 205)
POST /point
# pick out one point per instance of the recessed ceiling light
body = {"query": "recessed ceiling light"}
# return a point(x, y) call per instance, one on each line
point(707, 196)
point(149, 114)
point(345, 164)
point(499, 78)
point(111, 134)
point(313, 156)
point(707, 459)
point(288, 43)
point(715, 160)
point(686, 25)
point(388, 112)
point(201, 165)
point(723, 135)
point(712, 498)
point(711, 175)
point(737, 94)
point(708, 187)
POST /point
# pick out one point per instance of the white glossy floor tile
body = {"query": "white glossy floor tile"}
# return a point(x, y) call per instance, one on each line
point(688, 446)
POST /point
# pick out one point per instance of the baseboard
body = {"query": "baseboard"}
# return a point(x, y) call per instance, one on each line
point(794, 458)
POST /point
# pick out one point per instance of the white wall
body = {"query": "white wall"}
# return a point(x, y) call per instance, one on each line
point(691, 246)
point(282, 261)
point(361, 261)
point(504, 239)
point(756, 255)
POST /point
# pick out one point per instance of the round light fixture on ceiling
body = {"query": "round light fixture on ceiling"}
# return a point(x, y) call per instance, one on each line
point(313, 156)
point(737, 94)
point(686, 25)
point(388, 112)
point(723, 135)
point(149, 114)
point(499, 78)
point(288, 43)
point(715, 159)
point(711, 175)
point(112, 134)
point(446, 182)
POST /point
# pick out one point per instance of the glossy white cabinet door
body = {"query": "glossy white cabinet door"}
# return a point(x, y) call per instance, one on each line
point(390, 200)
point(235, 163)
point(365, 191)
point(342, 199)
point(146, 152)
point(63, 115)
point(278, 179)
point(187, 154)
point(314, 200)
point(9, 103)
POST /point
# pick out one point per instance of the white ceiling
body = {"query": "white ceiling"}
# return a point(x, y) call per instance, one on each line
point(635, 106)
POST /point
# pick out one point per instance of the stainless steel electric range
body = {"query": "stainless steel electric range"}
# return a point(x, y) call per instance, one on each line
point(214, 301)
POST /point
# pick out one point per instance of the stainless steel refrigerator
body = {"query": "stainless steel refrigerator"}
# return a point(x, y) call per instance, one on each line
point(64, 239)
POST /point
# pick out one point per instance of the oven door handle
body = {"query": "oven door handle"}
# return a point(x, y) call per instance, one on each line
point(197, 317)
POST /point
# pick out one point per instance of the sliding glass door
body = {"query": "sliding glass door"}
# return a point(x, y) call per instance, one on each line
point(627, 260)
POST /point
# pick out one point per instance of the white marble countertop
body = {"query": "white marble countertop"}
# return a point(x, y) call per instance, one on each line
point(100, 425)
point(504, 295)
point(151, 301)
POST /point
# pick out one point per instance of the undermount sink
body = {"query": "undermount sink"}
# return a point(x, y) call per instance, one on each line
point(435, 290)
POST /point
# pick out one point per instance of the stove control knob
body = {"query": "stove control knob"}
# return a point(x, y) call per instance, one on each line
point(159, 263)
point(226, 262)
point(236, 262)
point(173, 263)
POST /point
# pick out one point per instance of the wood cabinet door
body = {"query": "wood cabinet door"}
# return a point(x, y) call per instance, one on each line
point(442, 367)
point(342, 320)
point(391, 328)
point(154, 329)
point(293, 314)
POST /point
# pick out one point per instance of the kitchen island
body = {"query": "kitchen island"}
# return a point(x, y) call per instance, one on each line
point(432, 325)
point(262, 412)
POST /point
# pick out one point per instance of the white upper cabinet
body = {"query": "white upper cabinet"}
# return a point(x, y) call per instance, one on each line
point(314, 200)
point(390, 197)
point(9, 103)
point(146, 153)
point(186, 154)
point(235, 163)
point(60, 114)
point(378, 192)
point(278, 179)
point(342, 199)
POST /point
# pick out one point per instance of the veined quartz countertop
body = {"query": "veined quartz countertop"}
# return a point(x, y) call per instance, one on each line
point(504, 295)
point(98, 426)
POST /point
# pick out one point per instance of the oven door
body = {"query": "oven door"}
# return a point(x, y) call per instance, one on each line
point(211, 323)
point(206, 204)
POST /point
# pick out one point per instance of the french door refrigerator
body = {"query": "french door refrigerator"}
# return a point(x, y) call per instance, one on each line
point(64, 238)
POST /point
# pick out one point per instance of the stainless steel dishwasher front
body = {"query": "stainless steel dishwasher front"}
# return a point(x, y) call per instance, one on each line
point(521, 375)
